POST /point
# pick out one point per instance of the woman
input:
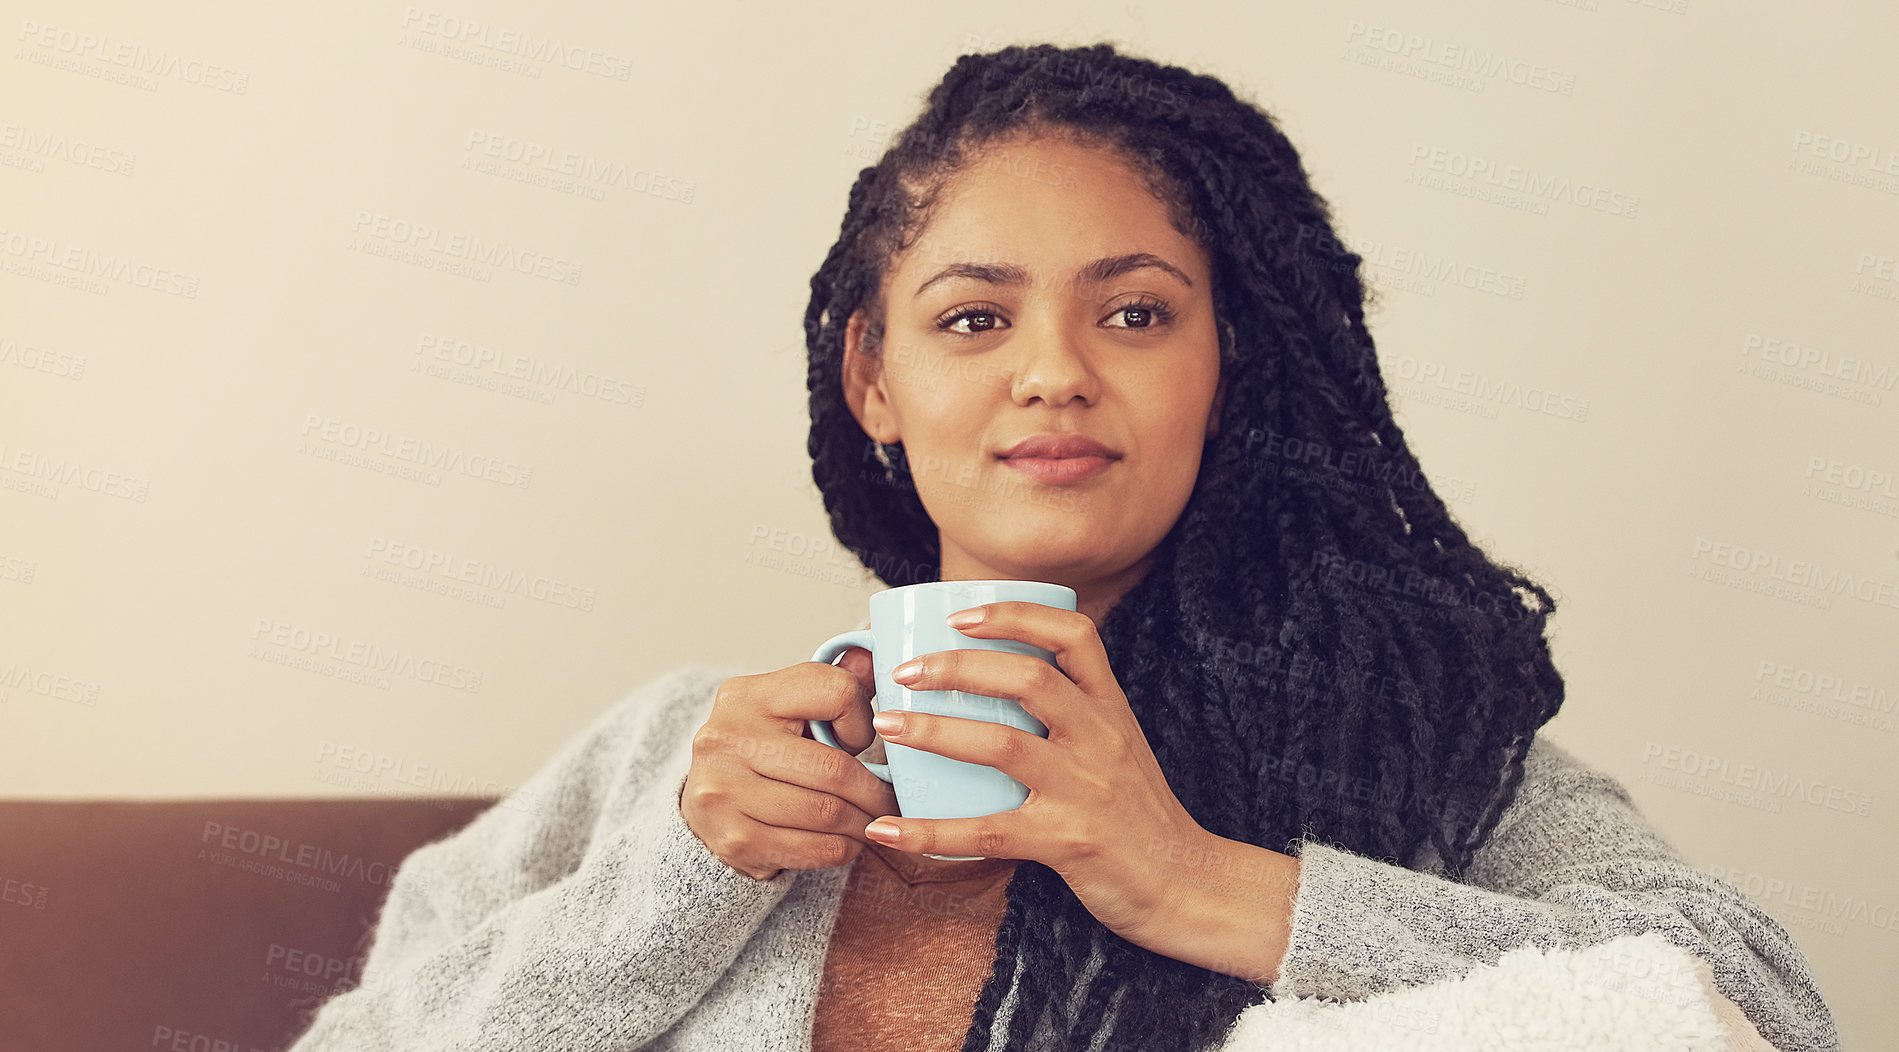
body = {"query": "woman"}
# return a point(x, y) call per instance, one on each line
point(1293, 748)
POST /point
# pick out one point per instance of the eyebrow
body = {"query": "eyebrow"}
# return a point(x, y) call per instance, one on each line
point(1103, 269)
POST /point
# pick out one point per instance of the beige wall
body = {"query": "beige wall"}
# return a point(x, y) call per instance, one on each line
point(1718, 288)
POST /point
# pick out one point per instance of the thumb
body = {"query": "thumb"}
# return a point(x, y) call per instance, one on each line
point(854, 728)
point(858, 662)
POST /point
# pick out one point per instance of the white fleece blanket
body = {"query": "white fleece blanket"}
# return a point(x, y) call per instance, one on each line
point(1634, 993)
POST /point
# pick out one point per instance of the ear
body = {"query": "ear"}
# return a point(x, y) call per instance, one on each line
point(1219, 400)
point(863, 381)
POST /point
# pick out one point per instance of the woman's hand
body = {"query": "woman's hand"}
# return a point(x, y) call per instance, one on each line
point(761, 795)
point(1099, 810)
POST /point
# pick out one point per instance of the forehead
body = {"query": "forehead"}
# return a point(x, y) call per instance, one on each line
point(1048, 205)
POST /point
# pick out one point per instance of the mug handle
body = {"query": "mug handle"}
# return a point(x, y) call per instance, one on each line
point(821, 729)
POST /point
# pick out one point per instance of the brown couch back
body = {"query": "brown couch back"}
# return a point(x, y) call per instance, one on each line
point(200, 925)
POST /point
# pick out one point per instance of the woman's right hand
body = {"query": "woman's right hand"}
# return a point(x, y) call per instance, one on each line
point(761, 794)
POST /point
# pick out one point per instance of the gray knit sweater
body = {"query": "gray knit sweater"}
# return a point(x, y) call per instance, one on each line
point(581, 914)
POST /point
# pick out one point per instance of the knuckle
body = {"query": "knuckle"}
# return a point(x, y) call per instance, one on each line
point(842, 687)
point(821, 853)
point(730, 690)
point(990, 842)
point(703, 795)
point(1045, 676)
point(1077, 846)
point(1005, 742)
point(829, 766)
point(827, 811)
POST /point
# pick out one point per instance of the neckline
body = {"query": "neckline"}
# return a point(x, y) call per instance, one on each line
point(920, 869)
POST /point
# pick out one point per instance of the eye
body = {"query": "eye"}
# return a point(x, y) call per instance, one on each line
point(1152, 312)
point(992, 315)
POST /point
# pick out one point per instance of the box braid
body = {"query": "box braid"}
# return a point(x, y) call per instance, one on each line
point(1302, 635)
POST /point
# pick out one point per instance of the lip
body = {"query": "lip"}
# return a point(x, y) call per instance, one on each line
point(1058, 447)
point(1057, 471)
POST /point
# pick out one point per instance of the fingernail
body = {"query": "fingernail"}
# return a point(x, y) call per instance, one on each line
point(965, 618)
point(881, 830)
point(907, 671)
point(887, 722)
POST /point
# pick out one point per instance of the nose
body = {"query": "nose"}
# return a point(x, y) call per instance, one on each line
point(1051, 364)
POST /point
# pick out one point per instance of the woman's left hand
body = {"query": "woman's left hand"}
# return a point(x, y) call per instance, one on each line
point(1099, 807)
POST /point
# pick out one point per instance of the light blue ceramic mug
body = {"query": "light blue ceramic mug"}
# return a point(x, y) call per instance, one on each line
point(906, 622)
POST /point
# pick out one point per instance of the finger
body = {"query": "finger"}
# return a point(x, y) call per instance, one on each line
point(795, 807)
point(990, 836)
point(813, 690)
point(764, 849)
point(815, 765)
point(1041, 689)
point(859, 663)
point(854, 732)
point(1070, 636)
point(1028, 758)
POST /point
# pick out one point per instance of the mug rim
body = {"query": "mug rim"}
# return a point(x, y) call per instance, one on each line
point(983, 581)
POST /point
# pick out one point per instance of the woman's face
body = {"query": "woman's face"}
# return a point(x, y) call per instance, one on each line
point(1048, 296)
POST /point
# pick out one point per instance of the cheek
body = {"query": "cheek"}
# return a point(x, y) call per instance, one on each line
point(1175, 425)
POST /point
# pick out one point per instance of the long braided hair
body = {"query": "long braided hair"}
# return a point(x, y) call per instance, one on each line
point(1318, 651)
